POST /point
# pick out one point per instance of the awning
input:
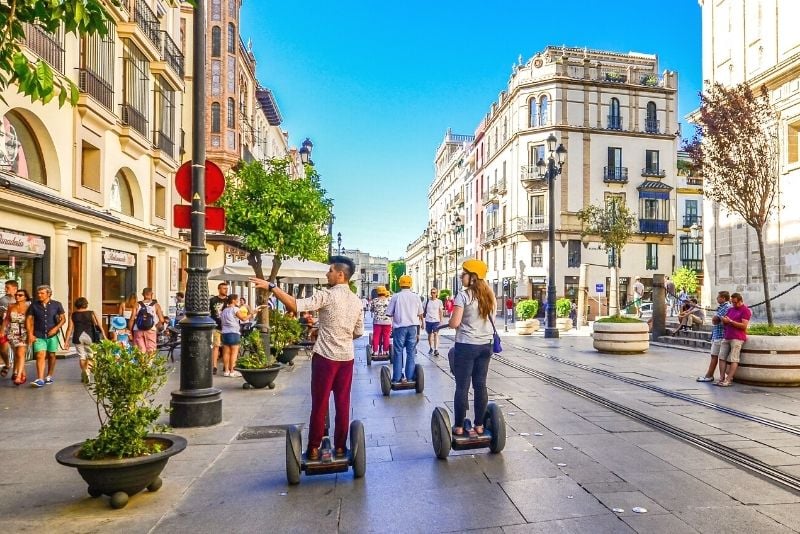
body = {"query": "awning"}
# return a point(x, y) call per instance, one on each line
point(292, 271)
point(654, 189)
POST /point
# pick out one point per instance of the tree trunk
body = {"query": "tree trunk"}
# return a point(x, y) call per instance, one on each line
point(262, 300)
point(763, 261)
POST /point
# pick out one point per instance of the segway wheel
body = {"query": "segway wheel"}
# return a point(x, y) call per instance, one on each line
point(440, 433)
point(358, 448)
point(369, 355)
point(386, 381)
point(496, 424)
point(419, 378)
point(294, 453)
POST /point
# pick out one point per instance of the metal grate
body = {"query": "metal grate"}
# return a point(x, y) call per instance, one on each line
point(264, 432)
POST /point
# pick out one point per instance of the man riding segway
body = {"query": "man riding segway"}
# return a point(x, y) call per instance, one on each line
point(406, 312)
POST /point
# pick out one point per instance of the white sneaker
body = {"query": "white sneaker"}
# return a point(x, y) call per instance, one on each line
point(234, 374)
point(226, 374)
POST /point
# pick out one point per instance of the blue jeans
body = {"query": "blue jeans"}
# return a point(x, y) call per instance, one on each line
point(471, 364)
point(404, 338)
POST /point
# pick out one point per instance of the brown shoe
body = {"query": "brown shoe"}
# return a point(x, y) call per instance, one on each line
point(313, 453)
point(340, 452)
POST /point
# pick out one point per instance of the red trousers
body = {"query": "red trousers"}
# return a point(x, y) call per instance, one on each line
point(380, 337)
point(326, 376)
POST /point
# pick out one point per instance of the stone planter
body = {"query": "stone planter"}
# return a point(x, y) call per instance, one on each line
point(621, 338)
point(288, 355)
point(121, 478)
point(260, 378)
point(563, 324)
point(770, 361)
point(527, 326)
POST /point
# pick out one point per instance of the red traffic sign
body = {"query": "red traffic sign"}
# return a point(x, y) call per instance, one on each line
point(215, 217)
point(215, 181)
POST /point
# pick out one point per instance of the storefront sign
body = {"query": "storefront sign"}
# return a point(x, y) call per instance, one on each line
point(117, 257)
point(13, 242)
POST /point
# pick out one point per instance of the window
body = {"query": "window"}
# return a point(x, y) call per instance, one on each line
point(231, 38)
point(792, 137)
point(614, 119)
point(651, 120)
point(536, 210)
point(97, 66)
point(615, 171)
point(90, 167)
point(504, 257)
point(652, 256)
point(121, 199)
point(691, 253)
point(543, 111)
point(650, 208)
point(22, 154)
point(165, 117)
point(135, 93)
point(216, 41)
point(533, 110)
point(651, 162)
point(574, 253)
point(216, 123)
point(536, 253)
point(160, 202)
point(505, 128)
point(536, 153)
point(216, 77)
point(231, 117)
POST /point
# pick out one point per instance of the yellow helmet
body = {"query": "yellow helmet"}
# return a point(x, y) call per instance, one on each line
point(381, 291)
point(476, 267)
point(405, 281)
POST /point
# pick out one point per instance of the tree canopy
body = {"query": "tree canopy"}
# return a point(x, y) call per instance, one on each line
point(396, 270)
point(613, 223)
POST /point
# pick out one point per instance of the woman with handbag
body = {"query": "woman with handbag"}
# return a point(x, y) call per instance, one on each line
point(474, 307)
point(84, 329)
point(14, 328)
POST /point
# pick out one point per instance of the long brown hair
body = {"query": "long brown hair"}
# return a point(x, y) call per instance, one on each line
point(480, 290)
point(131, 301)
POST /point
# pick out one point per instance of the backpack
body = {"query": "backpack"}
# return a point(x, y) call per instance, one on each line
point(144, 319)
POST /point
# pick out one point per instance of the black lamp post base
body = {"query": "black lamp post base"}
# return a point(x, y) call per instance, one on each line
point(196, 407)
point(551, 333)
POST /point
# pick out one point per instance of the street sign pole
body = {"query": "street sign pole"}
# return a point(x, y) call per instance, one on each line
point(197, 402)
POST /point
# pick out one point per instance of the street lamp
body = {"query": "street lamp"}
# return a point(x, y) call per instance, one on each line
point(458, 227)
point(339, 242)
point(197, 402)
point(434, 241)
point(548, 171)
point(305, 152)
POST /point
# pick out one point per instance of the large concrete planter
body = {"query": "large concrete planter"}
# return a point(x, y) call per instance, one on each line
point(527, 327)
point(564, 324)
point(621, 338)
point(770, 361)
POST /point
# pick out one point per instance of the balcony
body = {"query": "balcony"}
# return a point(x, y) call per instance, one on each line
point(501, 186)
point(172, 55)
point(654, 172)
point(614, 122)
point(492, 234)
point(164, 143)
point(134, 118)
point(488, 197)
point(529, 176)
point(99, 89)
point(537, 223)
point(692, 219)
point(615, 175)
point(537, 260)
point(147, 21)
point(694, 181)
point(653, 226)
point(46, 45)
point(652, 126)
point(693, 264)
point(458, 200)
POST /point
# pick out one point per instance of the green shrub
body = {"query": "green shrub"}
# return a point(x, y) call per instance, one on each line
point(527, 309)
point(775, 330)
point(253, 355)
point(685, 278)
point(618, 319)
point(443, 294)
point(563, 307)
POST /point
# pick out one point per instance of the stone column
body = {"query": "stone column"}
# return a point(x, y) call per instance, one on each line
point(659, 307)
point(583, 291)
point(58, 262)
point(94, 271)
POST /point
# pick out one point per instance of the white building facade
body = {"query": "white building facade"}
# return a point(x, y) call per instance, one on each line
point(371, 271)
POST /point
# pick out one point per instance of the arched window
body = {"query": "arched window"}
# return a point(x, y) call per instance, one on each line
point(544, 111)
point(231, 38)
point(651, 120)
point(19, 150)
point(614, 119)
point(231, 113)
point(216, 123)
point(121, 199)
point(216, 41)
point(533, 117)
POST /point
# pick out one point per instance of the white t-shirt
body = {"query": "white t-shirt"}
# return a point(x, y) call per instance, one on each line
point(433, 310)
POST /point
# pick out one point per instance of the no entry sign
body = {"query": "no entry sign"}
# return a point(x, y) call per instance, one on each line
point(215, 182)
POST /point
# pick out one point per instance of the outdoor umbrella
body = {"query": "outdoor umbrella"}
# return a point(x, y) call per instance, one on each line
point(292, 271)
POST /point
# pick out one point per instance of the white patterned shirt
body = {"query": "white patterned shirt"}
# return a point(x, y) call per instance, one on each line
point(341, 319)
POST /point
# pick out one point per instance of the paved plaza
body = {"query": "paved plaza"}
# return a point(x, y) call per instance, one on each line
point(570, 464)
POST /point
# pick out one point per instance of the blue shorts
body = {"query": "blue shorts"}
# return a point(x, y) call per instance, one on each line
point(431, 328)
point(231, 339)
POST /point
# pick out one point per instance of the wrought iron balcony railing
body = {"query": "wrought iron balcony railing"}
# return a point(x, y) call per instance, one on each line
point(172, 55)
point(653, 226)
point(46, 45)
point(102, 91)
point(615, 175)
point(691, 219)
point(147, 22)
point(654, 171)
point(614, 122)
point(164, 143)
point(134, 118)
point(652, 126)
point(695, 265)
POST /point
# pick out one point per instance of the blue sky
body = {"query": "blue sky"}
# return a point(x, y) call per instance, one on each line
point(375, 85)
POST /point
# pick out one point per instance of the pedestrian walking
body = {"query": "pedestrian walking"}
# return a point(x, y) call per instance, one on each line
point(341, 320)
point(573, 314)
point(144, 323)
point(17, 334)
point(231, 319)
point(717, 334)
point(381, 323)
point(735, 334)
point(638, 295)
point(43, 322)
point(180, 307)
point(5, 301)
point(83, 330)
point(449, 305)
point(474, 308)
point(119, 332)
point(669, 289)
point(433, 310)
point(215, 306)
point(510, 309)
point(407, 314)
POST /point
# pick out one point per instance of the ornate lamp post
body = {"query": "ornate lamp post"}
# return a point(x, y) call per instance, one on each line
point(305, 152)
point(197, 402)
point(548, 171)
point(458, 227)
point(434, 244)
point(339, 242)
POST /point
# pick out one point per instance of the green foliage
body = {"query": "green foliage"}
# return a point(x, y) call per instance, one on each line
point(253, 355)
point(527, 309)
point(685, 278)
point(563, 307)
point(283, 331)
point(774, 330)
point(618, 319)
point(396, 269)
point(613, 223)
point(353, 287)
point(124, 388)
point(444, 294)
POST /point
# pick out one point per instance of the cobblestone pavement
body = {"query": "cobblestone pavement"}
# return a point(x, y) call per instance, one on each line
point(568, 465)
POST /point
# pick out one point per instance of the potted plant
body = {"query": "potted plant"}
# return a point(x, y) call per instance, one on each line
point(770, 356)
point(650, 80)
point(130, 450)
point(615, 77)
point(258, 367)
point(526, 311)
point(563, 307)
point(284, 332)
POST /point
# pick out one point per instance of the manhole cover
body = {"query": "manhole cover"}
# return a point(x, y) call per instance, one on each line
point(264, 432)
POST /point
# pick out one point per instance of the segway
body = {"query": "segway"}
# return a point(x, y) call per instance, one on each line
point(387, 386)
point(443, 439)
point(371, 356)
point(328, 462)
